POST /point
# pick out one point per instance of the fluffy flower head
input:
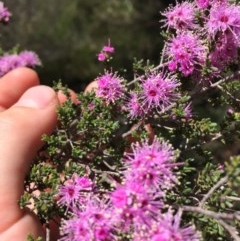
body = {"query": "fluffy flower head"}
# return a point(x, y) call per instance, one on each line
point(180, 16)
point(74, 191)
point(202, 4)
point(158, 90)
point(29, 58)
point(224, 17)
point(68, 194)
point(93, 222)
point(185, 52)
point(151, 165)
point(110, 87)
point(133, 106)
point(133, 204)
point(9, 62)
point(225, 51)
point(169, 229)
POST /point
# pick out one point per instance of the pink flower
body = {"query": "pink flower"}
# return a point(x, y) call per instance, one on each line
point(223, 17)
point(163, 235)
point(166, 228)
point(172, 66)
point(186, 52)
point(105, 53)
point(202, 3)
point(84, 183)
point(151, 165)
point(75, 191)
point(92, 222)
point(188, 111)
point(110, 87)
point(101, 57)
point(4, 13)
point(213, 2)
point(133, 204)
point(9, 62)
point(230, 111)
point(158, 91)
point(134, 107)
point(68, 194)
point(180, 16)
point(108, 48)
point(169, 227)
point(225, 51)
point(29, 58)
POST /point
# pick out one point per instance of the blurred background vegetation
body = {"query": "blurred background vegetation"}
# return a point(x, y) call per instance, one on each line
point(67, 35)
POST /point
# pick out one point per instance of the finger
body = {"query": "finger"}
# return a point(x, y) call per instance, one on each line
point(21, 128)
point(91, 87)
point(62, 97)
point(14, 84)
point(28, 224)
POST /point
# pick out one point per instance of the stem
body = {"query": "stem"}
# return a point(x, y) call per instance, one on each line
point(218, 83)
point(134, 128)
point(231, 198)
point(212, 190)
point(219, 217)
point(141, 76)
point(211, 214)
point(164, 49)
point(231, 230)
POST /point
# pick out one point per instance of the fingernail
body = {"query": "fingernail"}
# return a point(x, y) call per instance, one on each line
point(37, 97)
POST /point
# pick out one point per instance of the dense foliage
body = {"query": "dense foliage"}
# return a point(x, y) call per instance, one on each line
point(139, 159)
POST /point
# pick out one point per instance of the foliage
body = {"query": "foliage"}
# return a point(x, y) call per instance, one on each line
point(135, 159)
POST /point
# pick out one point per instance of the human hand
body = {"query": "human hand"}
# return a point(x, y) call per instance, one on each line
point(27, 111)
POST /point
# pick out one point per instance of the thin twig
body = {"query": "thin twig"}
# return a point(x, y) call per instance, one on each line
point(134, 128)
point(227, 93)
point(231, 230)
point(164, 49)
point(231, 198)
point(212, 190)
point(211, 214)
point(141, 76)
point(219, 217)
point(231, 77)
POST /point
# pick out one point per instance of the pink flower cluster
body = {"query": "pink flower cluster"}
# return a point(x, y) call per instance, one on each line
point(4, 13)
point(202, 34)
point(181, 16)
point(106, 51)
point(151, 165)
point(9, 62)
point(187, 53)
point(156, 91)
point(199, 35)
point(110, 87)
point(74, 190)
point(133, 208)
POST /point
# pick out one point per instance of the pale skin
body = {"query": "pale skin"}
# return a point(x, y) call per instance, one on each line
point(27, 111)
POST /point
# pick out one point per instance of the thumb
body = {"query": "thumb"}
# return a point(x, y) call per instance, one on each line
point(21, 128)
